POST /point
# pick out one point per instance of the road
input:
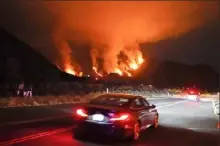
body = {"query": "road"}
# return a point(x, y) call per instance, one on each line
point(182, 123)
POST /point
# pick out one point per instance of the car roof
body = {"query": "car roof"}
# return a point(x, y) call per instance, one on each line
point(119, 95)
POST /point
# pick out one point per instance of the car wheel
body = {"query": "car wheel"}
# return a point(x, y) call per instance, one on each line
point(156, 121)
point(136, 132)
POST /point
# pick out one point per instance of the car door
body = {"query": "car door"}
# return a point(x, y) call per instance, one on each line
point(151, 111)
point(140, 110)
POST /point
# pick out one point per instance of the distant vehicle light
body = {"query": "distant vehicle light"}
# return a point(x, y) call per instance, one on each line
point(191, 92)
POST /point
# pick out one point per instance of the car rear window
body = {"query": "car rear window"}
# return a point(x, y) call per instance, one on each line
point(111, 101)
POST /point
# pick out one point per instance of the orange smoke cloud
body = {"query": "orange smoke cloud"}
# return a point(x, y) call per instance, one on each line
point(68, 64)
point(115, 28)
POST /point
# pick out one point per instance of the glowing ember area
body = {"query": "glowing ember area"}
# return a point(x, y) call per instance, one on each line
point(118, 71)
point(140, 60)
point(80, 74)
point(125, 67)
point(70, 70)
point(129, 74)
point(133, 66)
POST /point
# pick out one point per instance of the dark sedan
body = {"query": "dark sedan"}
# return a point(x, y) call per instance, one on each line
point(117, 115)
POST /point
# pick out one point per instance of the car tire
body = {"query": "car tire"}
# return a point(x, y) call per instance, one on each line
point(136, 132)
point(156, 121)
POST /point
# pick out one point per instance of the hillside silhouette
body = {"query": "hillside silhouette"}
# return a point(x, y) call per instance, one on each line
point(19, 62)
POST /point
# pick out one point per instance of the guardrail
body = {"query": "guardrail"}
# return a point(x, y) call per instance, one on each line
point(215, 105)
point(216, 109)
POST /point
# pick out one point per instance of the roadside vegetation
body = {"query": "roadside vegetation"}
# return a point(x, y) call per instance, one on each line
point(55, 94)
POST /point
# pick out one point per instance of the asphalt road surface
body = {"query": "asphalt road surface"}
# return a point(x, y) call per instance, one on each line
point(182, 123)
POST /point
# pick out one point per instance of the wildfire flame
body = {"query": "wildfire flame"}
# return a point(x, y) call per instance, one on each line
point(115, 28)
point(95, 70)
point(129, 74)
point(127, 25)
point(133, 66)
point(140, 60)
point(125, 67)
point(70, 70)
point(118, 71)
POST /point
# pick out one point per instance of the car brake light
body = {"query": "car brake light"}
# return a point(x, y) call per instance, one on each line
point(191, 92)
point(81, 112)
point(121, 117)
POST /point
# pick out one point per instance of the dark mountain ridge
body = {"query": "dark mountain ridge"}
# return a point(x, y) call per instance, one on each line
point(19, 62)
point(171, 74)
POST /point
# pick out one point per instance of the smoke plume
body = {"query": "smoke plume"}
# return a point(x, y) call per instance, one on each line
point(114, 28)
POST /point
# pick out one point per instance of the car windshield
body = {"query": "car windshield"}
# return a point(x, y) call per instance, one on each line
point(111, 101)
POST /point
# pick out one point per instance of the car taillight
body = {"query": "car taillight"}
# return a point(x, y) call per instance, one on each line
point(191, 92)
point(121, 117)
point(81, 112)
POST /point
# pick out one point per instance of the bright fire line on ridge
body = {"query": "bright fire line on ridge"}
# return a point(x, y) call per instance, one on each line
point(133, 65)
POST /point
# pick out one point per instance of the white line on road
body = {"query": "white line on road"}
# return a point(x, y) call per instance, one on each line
point(159, 107)
point(204, 129)
point(162, 103)
point(38, 135)
point(68, 115)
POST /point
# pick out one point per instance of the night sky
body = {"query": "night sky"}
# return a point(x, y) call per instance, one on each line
point(34, 23)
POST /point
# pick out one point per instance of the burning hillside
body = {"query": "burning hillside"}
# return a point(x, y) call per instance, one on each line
point(129, 61)
point(115, 29)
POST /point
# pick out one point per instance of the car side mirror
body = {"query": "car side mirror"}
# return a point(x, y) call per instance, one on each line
point(153, 106)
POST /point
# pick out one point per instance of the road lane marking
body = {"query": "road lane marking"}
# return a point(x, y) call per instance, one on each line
point(34, 136)
point(34, 121)
point(159, 107)
point(163, 103)
point(38, 135)
point(68, 115)
point(205, 129)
